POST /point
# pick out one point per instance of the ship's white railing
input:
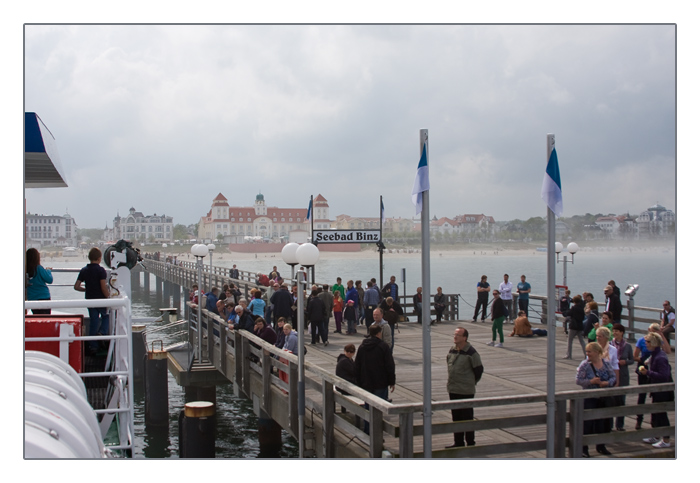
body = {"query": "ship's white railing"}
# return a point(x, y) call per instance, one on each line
point(120, 401)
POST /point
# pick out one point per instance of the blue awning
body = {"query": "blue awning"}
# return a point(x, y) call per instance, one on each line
point(42, 165)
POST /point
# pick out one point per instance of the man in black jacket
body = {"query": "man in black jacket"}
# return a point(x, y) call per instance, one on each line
point(613, 304)
point(375, 371)
point(282, 302)
point(316, 314)
point(374, 365)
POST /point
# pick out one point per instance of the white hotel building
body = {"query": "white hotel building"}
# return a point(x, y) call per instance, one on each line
point(50, 230)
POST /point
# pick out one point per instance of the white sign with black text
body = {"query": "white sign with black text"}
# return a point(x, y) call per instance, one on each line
point(346, 236)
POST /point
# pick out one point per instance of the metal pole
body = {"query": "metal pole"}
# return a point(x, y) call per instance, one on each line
point(211, 269)
point(381, 250)
point(425, 313)
point(301, 405)
point(551, 280)
point(200, 263)
point(565, 270)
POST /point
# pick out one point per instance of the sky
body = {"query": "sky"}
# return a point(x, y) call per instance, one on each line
point(162, 118)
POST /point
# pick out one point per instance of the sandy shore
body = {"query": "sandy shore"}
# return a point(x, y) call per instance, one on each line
point(183, 253)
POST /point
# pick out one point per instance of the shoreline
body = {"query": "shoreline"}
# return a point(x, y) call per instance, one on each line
point(445, 252)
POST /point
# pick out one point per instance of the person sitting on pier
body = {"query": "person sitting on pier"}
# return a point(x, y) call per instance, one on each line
point(522, 327)
point(291, 339)
point(668, 319)
point(418, 304)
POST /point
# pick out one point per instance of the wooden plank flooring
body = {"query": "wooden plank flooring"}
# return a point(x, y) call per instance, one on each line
point(519, 368)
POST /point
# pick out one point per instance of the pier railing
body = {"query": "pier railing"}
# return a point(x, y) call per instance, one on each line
point(269, 376)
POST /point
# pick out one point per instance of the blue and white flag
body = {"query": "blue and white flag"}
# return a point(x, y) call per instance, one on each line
point(422, 181)
point(308, 212)
point(551, 185)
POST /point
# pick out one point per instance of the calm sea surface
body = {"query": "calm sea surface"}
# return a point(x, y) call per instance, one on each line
point(654, 271)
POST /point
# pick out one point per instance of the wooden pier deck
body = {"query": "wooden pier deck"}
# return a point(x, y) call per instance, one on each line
point(510, 410)
point(517, 369)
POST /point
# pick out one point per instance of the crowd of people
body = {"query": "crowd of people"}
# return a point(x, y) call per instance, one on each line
point(607, 356)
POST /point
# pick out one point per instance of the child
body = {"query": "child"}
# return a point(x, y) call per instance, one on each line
point(337, 310)
point(351, 316)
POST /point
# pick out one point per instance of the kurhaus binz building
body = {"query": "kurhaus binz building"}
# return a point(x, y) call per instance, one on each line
point(232, 225)
point(238, 224)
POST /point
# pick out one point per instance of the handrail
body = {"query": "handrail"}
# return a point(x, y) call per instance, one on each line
point(121, 351)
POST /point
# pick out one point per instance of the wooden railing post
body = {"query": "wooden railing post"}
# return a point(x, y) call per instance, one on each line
point(630, 312)
point(223, 344)
point(294, 403)
point(376, 432)
point(406, 435)
point(328, 418)
point(560, 429)
point(576, 428)
point(266, 382)
point(238, 358)
point(245, 354)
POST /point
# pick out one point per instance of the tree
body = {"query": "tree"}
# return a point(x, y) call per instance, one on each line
point(180, 232)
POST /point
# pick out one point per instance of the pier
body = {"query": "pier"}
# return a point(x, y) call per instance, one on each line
point(510, 412)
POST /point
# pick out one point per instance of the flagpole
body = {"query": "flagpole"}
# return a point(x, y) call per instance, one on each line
point(551, 316)
point(425, 283)
point(381, 250)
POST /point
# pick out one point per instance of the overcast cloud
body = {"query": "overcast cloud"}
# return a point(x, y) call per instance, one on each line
point(163, 118)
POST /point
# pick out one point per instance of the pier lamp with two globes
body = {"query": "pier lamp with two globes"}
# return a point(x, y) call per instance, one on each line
point(199, 251)
point(570, 248)
point(305, 255)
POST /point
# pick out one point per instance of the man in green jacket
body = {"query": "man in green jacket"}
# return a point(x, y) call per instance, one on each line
point(464, 370)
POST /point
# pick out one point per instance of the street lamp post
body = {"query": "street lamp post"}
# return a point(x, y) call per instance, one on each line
point(199, 251)
point(570, 248)
point(211, 247)
point(306, 255)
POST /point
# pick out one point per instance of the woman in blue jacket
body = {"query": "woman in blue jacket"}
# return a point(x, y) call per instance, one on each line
point(37, 277)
